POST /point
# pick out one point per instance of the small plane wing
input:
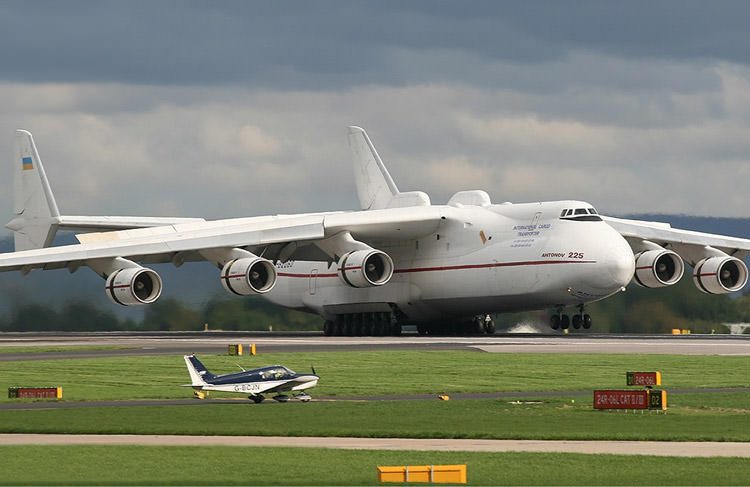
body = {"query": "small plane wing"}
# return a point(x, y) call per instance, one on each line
point(181, 242)
point(689, 244)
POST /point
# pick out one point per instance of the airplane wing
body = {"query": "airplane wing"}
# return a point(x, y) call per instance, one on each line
point(690, 245)
point(183, 242)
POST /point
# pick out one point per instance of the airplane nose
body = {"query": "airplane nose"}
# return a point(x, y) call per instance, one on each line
point(620, 263)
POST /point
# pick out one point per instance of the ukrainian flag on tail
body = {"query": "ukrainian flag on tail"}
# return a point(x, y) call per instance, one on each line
point(27, 163)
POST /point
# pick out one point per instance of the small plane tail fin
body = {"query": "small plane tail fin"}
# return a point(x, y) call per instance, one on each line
point(375, 186)
point(36, 215)
point(199, 374)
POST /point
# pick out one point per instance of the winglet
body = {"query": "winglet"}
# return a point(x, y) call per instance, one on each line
point(37, 215)
point(375, 186)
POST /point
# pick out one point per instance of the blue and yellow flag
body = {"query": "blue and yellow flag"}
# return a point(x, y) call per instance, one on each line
point(27, 163)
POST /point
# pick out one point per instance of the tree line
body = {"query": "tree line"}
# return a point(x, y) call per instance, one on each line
point(636, 310)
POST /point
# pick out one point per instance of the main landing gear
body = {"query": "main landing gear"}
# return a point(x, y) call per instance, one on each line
point(363, 324)
point(563, 322)
point(478, 325)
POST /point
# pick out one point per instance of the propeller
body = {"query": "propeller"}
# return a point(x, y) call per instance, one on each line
point(313, 370)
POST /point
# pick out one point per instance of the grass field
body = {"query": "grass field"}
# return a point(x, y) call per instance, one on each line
point(379, 372)
point(128, 465)
point(721, 417)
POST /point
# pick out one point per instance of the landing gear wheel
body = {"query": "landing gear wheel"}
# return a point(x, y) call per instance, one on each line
point(577, 320)
point(564, 322)
point(554, 322)
point(489, 325)
point(256, 399)
point(586, 322)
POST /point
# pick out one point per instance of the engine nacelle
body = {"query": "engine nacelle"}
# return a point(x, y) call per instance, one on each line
point(133, 286)
point(720, 275)
point(248, 275)
point(658, 268)
point(366, 268)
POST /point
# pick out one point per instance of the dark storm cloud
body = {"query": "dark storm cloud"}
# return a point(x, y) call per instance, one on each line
point(284, 44)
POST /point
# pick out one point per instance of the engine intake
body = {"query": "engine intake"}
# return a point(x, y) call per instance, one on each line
point(366, 268)
point(248, 276)
point(658, 268)
point(133, 286)
point(720, 275)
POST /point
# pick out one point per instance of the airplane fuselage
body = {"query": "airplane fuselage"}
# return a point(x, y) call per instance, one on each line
point(499, 258)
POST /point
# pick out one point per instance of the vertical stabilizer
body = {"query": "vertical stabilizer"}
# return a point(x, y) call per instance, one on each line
point(375, 187)
point(198, 372)
point(36, 213)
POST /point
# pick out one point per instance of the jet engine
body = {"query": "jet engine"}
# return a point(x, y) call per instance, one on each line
point(658, 268)
point(720, 275)
point(248, 275)
point(365, 268)
point(133, 286)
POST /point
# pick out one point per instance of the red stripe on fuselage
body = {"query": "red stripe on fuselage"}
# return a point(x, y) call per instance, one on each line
point(459, 267)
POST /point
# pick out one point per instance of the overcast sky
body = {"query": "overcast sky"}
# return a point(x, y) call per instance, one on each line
point(220, 109)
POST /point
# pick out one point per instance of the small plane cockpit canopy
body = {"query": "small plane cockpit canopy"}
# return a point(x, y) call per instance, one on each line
point(580, 214)
point(277, 373)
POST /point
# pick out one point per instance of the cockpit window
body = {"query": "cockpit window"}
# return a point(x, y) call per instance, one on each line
point(580, 215)
point(277, 373)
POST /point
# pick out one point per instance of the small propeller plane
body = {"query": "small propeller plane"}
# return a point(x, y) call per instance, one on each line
point(255, 382)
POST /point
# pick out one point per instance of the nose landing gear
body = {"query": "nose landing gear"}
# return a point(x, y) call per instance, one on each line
point(563, 321)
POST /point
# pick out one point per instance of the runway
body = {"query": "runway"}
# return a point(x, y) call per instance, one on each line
point(216, 342)
point(658, 448)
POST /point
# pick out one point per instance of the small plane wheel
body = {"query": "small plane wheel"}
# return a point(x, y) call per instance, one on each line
point(564, 322)
point(587, 322)
point(554, 322)
point(577, 320)
point(256, 399)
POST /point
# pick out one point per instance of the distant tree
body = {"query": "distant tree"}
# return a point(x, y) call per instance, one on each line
point(32, 317)
point(171, 315)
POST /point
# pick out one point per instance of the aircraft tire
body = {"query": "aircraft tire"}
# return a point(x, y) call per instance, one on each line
point(256, 399)
point(564, 322)
point(577, 321)
point(554, 322)
point(587, 322)
point(489, 327)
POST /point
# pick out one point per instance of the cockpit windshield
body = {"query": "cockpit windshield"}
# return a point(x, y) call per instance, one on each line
point(580, 215)
point(277, 373)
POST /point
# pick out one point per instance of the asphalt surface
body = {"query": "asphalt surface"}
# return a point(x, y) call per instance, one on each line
point(658, 448)
point(216, 342)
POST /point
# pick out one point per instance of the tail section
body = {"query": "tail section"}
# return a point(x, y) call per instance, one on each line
point(199, 374)
point(34, 205)
point(375, 187)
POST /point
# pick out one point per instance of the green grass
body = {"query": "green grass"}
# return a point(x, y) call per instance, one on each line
point(720, 417)
point(145, 465)
point(379, 372)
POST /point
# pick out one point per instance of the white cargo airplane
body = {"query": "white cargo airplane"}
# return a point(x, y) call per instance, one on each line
point(401, 260)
